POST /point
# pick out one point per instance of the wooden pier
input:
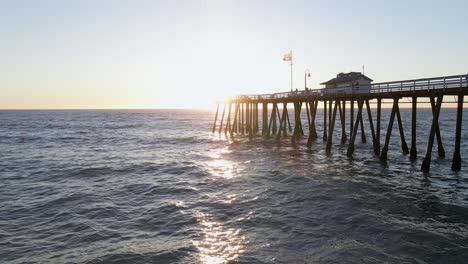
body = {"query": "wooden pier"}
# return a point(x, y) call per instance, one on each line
point(242, 117)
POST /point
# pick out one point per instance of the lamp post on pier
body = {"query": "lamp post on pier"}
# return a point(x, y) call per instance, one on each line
point(306, 75)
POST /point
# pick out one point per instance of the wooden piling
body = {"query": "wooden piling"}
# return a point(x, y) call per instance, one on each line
point(352, 137)
point(312, 130)
point(313, 118)
point(413, 151)
point(404, 146)
point(235, 122)
point(299, 120)
point(282, 124)
point(222, 119)
point(427, 158)
point(342, 121)
point(363, 132)
point(233, 126)
point(242, 120)
point(301, 130)
point(256, 119)
point(324, 120)
point(377, 132)
point(246, 118)
point(250, 118)
point(273, 118)
point(440, 146)
point(456, 161)
point(228, 120)
point(278, 115)
point(371, 124)
point(287, 117)
point(383, 153)
point(344, 137)
point(332, 126)
point(237, 130)
point(265, 119)
point(278, 112)
point(295, 134)
point(351, 117)
point(285, 110)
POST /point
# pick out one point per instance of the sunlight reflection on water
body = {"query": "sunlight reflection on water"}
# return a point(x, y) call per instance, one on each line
point(219, 244)
point(221, 167)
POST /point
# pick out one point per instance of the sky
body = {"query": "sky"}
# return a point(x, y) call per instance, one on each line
point(106, 54)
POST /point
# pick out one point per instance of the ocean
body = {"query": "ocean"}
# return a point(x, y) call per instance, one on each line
point(156, 186)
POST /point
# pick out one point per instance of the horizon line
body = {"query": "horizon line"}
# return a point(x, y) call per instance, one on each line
point(199, 109)
point(94, 109)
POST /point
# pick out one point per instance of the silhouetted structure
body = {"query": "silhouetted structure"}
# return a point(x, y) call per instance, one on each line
point(336, 99)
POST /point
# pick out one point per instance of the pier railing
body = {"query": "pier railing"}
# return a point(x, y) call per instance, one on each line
point(445, 82)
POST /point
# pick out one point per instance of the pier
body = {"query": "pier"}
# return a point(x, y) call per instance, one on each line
point(240, 115)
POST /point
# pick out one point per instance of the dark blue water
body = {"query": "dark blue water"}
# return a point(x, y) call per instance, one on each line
point(158, 187)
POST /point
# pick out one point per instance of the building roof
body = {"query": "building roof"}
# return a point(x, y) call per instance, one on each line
point(347, 77)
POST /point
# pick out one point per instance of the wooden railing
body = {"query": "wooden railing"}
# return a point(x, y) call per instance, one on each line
point(446, 82)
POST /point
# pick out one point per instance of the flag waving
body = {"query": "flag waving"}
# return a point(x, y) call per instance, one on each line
point(288, 57)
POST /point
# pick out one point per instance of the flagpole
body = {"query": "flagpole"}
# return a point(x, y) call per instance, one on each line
point(291, 71)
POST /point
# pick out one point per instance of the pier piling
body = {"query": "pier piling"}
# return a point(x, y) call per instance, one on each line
point(228, 120)
point(440, 146)
point(344, 137)
point(377, 132)
point(404, 146)
point(363, 133)
point(413, 151)
point(332, 126)
point(242, 119)
point(282, 124)
point(324, 120)
point(274, 114)
point(265, 119)
point(352, 138)
point(351, 117)
point(235, 123)
point(456, 161)
point(222, 119)
point(371, 124)
point(427, 158)
point(287, 117)
point(383, 153)
point(312, 129)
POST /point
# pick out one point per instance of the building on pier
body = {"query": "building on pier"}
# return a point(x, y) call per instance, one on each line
point(351, 82)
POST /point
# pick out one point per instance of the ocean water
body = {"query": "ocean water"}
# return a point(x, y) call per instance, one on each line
point(155, 186)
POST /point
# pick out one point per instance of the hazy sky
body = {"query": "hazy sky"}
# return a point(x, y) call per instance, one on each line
point(173, 54)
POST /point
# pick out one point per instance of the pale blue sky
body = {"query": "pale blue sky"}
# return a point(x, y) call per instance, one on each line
point(172, 54)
